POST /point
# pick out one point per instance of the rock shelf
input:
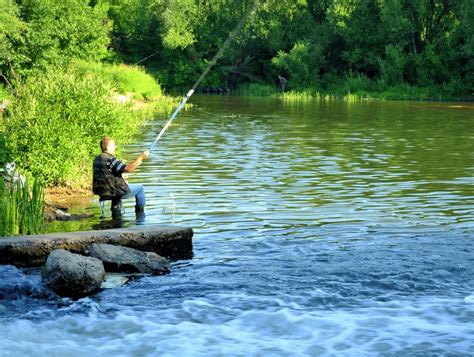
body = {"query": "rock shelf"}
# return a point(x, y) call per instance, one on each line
point(168, 241)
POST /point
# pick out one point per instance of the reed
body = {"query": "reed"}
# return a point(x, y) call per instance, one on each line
point(352, 98)
point(21, 208)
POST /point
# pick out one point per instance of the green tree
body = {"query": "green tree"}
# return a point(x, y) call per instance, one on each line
point(54, 32)
point(11, 30)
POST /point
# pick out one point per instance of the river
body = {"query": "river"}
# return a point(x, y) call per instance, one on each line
point(330, 228)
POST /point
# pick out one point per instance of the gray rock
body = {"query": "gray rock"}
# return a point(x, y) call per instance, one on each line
point(32, 250)
point(73, 275)
point(127, 260)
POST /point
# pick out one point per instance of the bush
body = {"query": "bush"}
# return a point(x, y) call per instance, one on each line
point(127, 79)
point(48, 32)
point(55, 123)
point(256, 90)
point(301, 64)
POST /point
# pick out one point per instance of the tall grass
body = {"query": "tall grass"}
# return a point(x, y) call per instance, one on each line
point(256, 90)
point(21, 209)
point(306, 96)
point(55, 122)
point(127, 79)
point(297, 96)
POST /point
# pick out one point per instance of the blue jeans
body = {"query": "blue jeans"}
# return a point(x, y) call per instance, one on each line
point(138, 192)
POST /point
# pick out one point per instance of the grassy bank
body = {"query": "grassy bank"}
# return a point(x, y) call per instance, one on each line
point(356, 90)
point(52, 126)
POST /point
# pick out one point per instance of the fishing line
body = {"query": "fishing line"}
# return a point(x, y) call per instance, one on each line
point(206, 71)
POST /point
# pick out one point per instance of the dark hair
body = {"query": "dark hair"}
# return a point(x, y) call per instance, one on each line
point(104, 143)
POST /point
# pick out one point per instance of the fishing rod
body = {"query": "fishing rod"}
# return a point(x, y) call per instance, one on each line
point(206, 71)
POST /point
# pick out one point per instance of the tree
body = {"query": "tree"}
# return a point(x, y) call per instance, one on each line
point(11, 30)
point(56, 31)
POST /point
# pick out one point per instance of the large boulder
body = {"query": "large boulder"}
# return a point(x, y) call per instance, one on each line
point(73, 275)
point(127, 260)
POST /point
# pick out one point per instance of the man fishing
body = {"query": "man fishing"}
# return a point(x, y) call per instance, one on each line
point(108, 182)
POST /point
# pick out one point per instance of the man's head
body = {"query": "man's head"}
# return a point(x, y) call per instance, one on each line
point(107, 144)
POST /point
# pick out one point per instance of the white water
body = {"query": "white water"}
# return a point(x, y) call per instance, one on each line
point(242, 327)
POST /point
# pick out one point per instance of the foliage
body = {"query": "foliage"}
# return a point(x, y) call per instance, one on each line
point(126, 79)
point(57, 119)
point(256, 90)
point(11, 29)
point(51, 32)
point(21, 209)
point(421, 43)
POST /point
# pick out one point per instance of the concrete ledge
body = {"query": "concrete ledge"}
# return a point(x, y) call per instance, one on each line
point(167, 241)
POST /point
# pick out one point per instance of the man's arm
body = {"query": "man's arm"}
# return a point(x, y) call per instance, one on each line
point(132, 165)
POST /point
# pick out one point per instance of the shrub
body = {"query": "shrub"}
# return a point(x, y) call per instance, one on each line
point(256, 90)
point(301, 63)
point(57, 119)
point(48, 32)
point(127, 79)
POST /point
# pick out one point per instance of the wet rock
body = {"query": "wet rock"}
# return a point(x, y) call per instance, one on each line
point(167, 241)
point(127, 260)
point(52, 213)
point(73, 275)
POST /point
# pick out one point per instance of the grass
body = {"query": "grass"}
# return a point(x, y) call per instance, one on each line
point(304, 95)
point(55, 122)
point(256, 90)
point(354, 88)
point(5, 94)
point(21, 209)
point(128, 80)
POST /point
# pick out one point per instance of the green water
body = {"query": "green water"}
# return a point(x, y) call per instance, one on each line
point(319, 229)
point(375, 162)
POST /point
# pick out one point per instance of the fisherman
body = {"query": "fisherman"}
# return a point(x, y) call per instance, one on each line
point(108, 182)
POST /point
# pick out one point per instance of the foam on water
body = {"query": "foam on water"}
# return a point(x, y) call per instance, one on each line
point(204, 327)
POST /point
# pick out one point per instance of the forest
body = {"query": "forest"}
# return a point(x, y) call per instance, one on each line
point(330, 45)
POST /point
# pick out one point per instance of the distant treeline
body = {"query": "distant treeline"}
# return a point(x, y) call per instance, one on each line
point(312, 43)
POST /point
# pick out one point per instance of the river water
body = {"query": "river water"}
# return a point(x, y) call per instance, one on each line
point(333, 228)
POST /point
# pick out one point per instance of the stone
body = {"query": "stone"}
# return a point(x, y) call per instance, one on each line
point(168, 241)
point(52, 213)
point(73, 275)
point(127, 260)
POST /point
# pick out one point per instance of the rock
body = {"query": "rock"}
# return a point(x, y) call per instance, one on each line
point(73, 275)
point(127, 260)
point(32, 250)
point(52, 213)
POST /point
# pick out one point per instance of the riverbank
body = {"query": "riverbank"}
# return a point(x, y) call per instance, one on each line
point(52, 126)
point(68, 198)
point(355, 90)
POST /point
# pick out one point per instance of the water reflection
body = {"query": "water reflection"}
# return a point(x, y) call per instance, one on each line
point(241, 161)
point(328, 228)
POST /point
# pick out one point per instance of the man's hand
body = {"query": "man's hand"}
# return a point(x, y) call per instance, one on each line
point(134, 164)
point(145, 155)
